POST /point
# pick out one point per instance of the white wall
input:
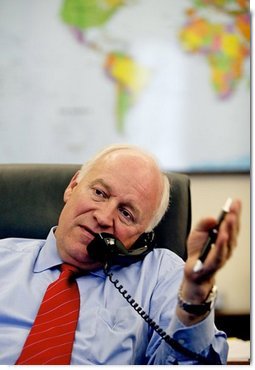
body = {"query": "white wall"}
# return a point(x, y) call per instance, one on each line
point(209, 193)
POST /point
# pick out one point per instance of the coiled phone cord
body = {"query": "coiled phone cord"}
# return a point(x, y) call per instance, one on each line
point(172, 342)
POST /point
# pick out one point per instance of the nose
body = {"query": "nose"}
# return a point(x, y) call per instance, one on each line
point(104, 217)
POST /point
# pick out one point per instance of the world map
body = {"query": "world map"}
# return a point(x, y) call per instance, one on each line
point(172, 77)
point(224, 45)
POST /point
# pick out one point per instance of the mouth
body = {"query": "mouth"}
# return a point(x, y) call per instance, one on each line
point(90, 234)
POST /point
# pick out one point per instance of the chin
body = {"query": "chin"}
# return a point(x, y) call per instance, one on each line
point(89, 265)
point(80, 258)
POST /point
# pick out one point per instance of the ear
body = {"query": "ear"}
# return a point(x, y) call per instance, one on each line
point(72, 185)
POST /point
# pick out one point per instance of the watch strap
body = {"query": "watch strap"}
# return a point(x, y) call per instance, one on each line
point(199, 309)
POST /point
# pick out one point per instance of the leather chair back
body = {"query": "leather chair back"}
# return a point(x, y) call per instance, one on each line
point(31, 199)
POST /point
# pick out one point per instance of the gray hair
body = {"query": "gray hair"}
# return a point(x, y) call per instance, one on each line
point(164, 203)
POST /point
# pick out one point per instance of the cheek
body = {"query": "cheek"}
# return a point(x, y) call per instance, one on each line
point(66, 216)
point(75, 207)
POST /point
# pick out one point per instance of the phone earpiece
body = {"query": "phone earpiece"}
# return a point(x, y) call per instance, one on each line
point(107, 249)
point(144, 241)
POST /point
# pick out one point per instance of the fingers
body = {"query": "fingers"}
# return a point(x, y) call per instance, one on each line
point(226, 240)
point(230, 227)
point(235, 213)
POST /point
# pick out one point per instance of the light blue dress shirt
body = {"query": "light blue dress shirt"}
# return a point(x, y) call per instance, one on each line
point(109, 330)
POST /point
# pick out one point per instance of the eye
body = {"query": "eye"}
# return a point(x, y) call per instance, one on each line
point(127, 215)
point(99, 194)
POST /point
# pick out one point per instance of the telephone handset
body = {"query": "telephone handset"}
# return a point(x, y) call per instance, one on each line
point(110, 251)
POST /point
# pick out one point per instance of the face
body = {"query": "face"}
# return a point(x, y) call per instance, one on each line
point(119, 196)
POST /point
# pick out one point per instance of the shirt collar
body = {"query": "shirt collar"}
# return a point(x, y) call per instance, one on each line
point(48, 256)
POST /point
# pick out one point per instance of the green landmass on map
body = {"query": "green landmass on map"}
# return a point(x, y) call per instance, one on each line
point(130, 79)
point(128, 76)
point(86, 14)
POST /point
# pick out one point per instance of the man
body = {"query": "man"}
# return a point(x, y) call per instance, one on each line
point(121, 192)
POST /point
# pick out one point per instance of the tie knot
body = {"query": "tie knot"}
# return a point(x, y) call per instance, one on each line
point(66, 267)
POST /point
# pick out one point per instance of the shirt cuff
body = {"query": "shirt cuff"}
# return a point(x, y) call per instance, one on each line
point(196, 337)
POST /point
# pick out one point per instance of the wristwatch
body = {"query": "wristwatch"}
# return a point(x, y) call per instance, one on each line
point(199, 309)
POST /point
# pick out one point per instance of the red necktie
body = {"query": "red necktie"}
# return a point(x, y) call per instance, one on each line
point(50, 340)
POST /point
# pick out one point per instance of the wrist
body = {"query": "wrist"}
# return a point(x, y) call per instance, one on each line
point(196, 292)
point(201, 307)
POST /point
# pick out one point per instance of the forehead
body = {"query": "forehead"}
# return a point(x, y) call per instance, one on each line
point(131, 176)
point(133, 168)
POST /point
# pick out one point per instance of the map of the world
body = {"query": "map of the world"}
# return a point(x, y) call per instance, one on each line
point(172, 77)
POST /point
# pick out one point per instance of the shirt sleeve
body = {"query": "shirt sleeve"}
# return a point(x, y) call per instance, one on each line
point(202, 338)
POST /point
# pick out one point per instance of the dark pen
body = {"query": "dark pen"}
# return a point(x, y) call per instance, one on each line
point(212, 237)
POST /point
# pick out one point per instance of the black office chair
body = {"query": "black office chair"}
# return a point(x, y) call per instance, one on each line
point(32, 198)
